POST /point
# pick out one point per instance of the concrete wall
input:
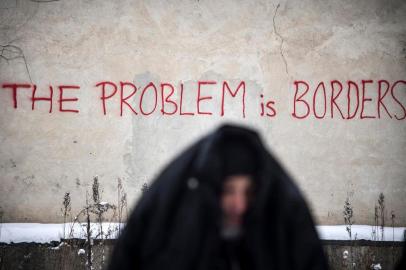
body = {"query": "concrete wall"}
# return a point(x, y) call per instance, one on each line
point(267, 44)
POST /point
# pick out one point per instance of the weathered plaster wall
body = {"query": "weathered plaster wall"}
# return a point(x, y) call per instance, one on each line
point(269, 44)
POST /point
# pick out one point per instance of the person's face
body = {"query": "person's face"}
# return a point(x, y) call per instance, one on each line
point(235, 198)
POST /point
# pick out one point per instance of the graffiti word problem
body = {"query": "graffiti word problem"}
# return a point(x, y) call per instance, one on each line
point(169, 98)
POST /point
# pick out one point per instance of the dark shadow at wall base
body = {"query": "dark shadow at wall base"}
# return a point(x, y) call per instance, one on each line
point(72, 254)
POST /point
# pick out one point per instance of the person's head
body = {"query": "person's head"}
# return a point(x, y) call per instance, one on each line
point(235, 198)
point(237, 189)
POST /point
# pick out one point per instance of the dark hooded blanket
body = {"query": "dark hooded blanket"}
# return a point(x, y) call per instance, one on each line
point(175, 224)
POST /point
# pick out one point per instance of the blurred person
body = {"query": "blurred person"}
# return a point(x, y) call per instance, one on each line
point(401, 264)
point(224, 203)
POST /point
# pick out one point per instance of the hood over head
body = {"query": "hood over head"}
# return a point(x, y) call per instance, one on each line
point(229, 150)
point(238, 159)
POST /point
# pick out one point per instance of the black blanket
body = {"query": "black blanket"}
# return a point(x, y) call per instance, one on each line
point(175, 224)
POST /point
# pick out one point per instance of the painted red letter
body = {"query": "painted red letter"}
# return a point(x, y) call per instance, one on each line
point(364, 82)
point(34, 98)
point(61, 99)
point(349, 116)
point(124, 100)
point(104, 97)
point(297, 99)
point(14, 87)
point(151, 84)
point(199, 98)
point(397, 101)
point(165, 99)
point(225, 85)
point(334, 97)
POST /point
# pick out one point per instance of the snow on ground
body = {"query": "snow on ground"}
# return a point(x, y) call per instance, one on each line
point(339, 232)
point(44, 233)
